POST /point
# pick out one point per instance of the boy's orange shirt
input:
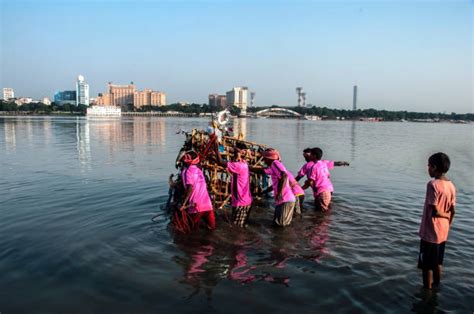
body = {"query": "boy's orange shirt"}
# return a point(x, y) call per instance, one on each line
point(442, 194)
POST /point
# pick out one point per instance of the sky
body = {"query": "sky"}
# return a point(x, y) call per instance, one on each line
point(402, 55)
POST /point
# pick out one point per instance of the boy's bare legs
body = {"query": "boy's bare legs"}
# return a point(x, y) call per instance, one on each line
point(427, 278)
point(432, 277)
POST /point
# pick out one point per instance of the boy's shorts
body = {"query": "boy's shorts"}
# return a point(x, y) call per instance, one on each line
point(431, 255)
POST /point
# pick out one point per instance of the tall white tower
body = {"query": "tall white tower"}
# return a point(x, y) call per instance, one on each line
point(82, 91)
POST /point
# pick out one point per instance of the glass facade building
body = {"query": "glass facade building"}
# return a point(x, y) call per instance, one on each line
point(65, 97)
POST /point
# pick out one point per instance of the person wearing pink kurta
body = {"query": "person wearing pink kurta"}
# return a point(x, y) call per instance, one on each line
point(240, 185)
point(284, 197)
point(196, 201)
point(438, 214)
point(317, 173)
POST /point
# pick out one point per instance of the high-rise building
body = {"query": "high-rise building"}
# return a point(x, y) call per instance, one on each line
point(354, 98)
point(121, 95)
point(148, 97)
point(82, 91)
point(238, 97)
point(8, 93)
point(65, 97)
point(217, 101)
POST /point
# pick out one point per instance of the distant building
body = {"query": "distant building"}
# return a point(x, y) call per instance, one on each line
point(103, 100)
point(82, 91)
point(354, 98)
point(65, 97)
point(183, 103)
point(8, 93)
point(218, 101)
point(46, 101)
point(238, 97)
point(23, 100)
point(148, 97)
point(121, 95)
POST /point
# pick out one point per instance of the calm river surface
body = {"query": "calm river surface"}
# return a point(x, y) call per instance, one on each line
point(77, 197)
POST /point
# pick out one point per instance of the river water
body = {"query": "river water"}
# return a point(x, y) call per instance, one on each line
point(76, 236)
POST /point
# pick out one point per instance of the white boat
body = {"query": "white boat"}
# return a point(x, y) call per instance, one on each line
point(312, 118)
point(104, 111)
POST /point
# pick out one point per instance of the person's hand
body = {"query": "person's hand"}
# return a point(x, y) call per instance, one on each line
point(182, 208)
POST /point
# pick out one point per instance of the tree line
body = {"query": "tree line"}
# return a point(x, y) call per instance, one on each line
point(196, 108)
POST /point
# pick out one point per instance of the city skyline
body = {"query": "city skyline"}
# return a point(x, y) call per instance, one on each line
point(402, 56)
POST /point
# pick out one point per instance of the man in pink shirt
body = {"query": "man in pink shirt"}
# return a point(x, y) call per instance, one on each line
point(438, 214)
point(196, 200)
point(318, 177)
point(284, 197)
point(240, 185)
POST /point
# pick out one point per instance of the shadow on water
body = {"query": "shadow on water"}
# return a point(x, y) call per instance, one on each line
point(426, 301)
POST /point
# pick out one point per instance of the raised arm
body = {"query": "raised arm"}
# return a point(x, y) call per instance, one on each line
point(220, 161)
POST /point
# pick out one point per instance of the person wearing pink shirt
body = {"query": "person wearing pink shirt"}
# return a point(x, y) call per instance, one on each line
point(298, 192)
point(318, 177)
point(196, 200)
point(240, 185)
point(438, 215)
point(284, 197)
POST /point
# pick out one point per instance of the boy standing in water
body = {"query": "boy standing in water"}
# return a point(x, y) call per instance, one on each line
point(438, 214)
point(284, 197)
point(318, 177)
point(240, 185)
point(196, 198)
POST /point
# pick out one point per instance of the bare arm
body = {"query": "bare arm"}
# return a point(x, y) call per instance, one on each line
point(281, 183)
point(307, 184)
point(298, 177)
point(187, 195)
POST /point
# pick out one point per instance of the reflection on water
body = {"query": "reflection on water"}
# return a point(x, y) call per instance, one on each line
point(240, 128)
point(83, 145)
point(77, 195)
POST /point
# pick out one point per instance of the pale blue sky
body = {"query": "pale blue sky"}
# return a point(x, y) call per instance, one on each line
point(403, 55)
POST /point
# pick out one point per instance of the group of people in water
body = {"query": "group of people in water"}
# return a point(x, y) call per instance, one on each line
point(288, 193)
point(438, 213)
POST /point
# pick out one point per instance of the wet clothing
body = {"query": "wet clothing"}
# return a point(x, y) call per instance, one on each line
point(208, 216)
point(199, 200)
point(240, 215)
point(323, 201)
point(284, 213)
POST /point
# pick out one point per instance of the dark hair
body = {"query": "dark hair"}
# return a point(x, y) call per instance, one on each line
point(317, 152)
point(440, 161)
point(307, 150)
point(241, 145)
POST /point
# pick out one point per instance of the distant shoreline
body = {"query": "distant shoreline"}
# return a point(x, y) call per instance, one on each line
point(206, 115)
